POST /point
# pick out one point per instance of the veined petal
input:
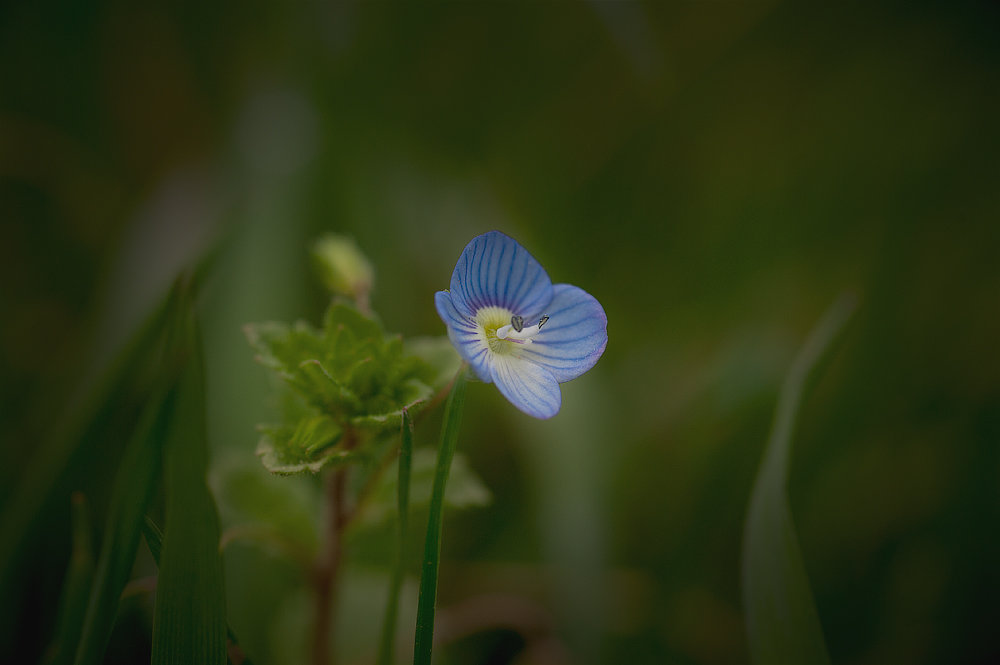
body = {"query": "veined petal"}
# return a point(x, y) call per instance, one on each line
point(573, 338)
point(495, 271)
point(528, 386)
point(464, 335)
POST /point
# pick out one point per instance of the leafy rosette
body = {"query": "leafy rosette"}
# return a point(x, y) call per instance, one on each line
point(349, 382)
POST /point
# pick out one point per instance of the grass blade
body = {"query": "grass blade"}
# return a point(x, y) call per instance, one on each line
point(427, 602)
point(18, 519)
point(189, 620)
point(154, 540)
point(132, 492)
point(97, 396)
point(387, 644)
point(76, 588)
point(782, 623)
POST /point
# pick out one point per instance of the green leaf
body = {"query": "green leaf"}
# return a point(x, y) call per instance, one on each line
point(414, 394)
point(153, 537)
point(256, 502)
point(343, 317)
point(309, 445)
point(189, 619)
point(349, 375)
point(76, 588)
point(782, 623)
point(130, 496)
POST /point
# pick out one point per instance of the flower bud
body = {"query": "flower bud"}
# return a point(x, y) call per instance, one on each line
point(342, 267)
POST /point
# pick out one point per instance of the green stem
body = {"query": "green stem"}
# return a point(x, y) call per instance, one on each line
point(432, 546)
point(387, 645)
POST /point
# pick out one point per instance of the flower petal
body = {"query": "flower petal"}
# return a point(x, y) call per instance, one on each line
point(528, 386)
point(495, 271)
point(464, 335)
point(573, 338)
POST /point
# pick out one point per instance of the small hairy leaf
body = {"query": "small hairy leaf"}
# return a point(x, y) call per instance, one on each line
point(348, 375)
point(309, 445)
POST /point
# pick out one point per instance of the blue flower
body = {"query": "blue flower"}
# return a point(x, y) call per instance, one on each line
point(515, 328)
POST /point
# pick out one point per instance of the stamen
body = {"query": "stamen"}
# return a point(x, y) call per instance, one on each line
point(517, 333)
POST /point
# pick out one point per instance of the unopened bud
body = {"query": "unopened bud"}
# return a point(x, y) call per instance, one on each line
point(342, 267)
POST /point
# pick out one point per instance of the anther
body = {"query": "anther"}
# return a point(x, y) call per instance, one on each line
point(541, 321)
point(517, 322)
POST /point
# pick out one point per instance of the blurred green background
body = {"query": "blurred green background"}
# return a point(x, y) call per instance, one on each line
point(714, 173)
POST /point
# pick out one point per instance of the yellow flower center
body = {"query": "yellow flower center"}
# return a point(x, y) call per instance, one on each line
point(503, 332)
point(488, 320)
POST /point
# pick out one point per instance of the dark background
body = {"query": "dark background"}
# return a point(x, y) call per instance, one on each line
point(715, 174)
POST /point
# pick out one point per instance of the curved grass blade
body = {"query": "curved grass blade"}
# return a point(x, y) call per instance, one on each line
point(781, 619)
point(387, 644)
point(96, 397)
point(427, 602)
point(132, 493)
point(189, 619)
point(76, 588)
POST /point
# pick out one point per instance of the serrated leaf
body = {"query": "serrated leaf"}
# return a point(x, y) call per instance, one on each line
point(782, 623)
point(343, 316)
point(414, 394)
point(308, 446)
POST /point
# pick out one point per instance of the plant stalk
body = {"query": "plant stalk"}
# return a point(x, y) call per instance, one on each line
point(427, 603)
point(327, 570)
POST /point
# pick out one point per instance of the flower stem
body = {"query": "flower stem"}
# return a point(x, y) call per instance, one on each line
point(327, 570)
point(386, 649)
point(432, 545)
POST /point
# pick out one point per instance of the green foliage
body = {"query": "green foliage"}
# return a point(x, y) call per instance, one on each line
point(782, 623)
point(76, 588)
point(154, 541)
point(254, 501)
point(99, 397)
point(307, 445)
point(133, 490)
point(189, 620)
point(349, 376)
